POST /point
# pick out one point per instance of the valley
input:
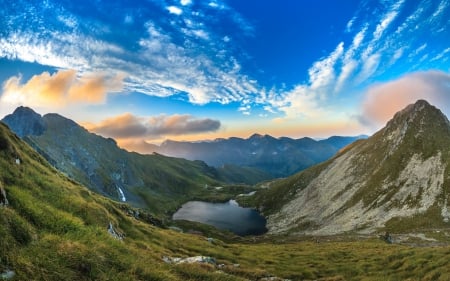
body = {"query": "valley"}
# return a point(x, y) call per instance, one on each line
point(52, 227)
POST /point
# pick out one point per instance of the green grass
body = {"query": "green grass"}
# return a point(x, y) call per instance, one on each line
point(55, 229)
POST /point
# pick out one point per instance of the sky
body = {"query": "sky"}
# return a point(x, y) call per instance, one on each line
point(143, 71)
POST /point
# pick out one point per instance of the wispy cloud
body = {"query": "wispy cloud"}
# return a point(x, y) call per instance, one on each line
point(186, 57)
point(181, 48)
point(60, 89)
point(387, 39)
point(129, 126)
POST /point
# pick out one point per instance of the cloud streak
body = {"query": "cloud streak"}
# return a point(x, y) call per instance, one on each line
point(129, 126)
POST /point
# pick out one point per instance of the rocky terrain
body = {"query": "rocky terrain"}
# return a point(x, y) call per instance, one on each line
point(398, 179)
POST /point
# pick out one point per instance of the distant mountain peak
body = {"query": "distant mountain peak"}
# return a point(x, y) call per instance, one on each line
point(256, 136)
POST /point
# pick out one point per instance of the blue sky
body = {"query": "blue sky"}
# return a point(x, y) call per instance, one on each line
point(145, 71)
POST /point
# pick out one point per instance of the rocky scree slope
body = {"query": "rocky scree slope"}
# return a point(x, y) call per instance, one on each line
point(397, 180)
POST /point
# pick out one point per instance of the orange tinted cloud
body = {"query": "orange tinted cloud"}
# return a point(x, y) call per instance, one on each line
point(384, 100)
point(60, 89)
point(127, 126)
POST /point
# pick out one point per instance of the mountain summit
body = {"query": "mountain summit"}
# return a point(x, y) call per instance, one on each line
point(396, 179)
point(26, 121)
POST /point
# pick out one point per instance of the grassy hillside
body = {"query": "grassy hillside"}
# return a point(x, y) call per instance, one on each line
point(56, 229)
point(156, 182)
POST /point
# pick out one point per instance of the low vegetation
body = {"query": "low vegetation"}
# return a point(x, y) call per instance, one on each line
point(56, 229)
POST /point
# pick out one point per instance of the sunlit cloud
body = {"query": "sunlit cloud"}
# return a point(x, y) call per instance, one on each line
point(129, 126)
point(60, 89)
point(382, 101)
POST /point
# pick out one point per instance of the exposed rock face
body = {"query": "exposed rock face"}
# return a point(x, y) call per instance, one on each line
point(400, 172)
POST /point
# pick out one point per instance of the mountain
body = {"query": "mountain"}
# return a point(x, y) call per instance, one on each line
point(279, 157)
point(396, 180)
point(52, 228)
point(155, 181)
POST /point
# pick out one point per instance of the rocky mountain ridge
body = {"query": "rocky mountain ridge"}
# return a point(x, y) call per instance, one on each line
point(397, 179)
point(154, 181)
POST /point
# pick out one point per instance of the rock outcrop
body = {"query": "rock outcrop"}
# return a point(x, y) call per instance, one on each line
point(398, 178)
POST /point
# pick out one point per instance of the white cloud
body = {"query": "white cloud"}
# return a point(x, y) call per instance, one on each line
point(445, 4)
point(369, 67)
point(421, 48)
point(175, 10)
point(213, 4)
point(415, 18)
point(346, 71)
point(349, 61)
point(322, 74)
point(387, 20)
point(200, 67)
point(441, 54)
point(185, 2)
point(350, 24)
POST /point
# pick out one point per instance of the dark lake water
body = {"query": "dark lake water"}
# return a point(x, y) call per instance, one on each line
point(228, 216)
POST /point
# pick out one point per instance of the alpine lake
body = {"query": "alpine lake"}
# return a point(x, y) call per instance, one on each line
point(226, 216)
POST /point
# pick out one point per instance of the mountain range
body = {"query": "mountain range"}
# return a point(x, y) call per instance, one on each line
point(156, 182)
point(160, 182)
point(396, 180)
point(279, 157)
point(52, 228)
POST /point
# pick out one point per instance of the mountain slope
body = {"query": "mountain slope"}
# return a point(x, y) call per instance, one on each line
point(398, 179)
point(52, 228)
point(279, 157)
point(156, 182)
point(55, 229)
